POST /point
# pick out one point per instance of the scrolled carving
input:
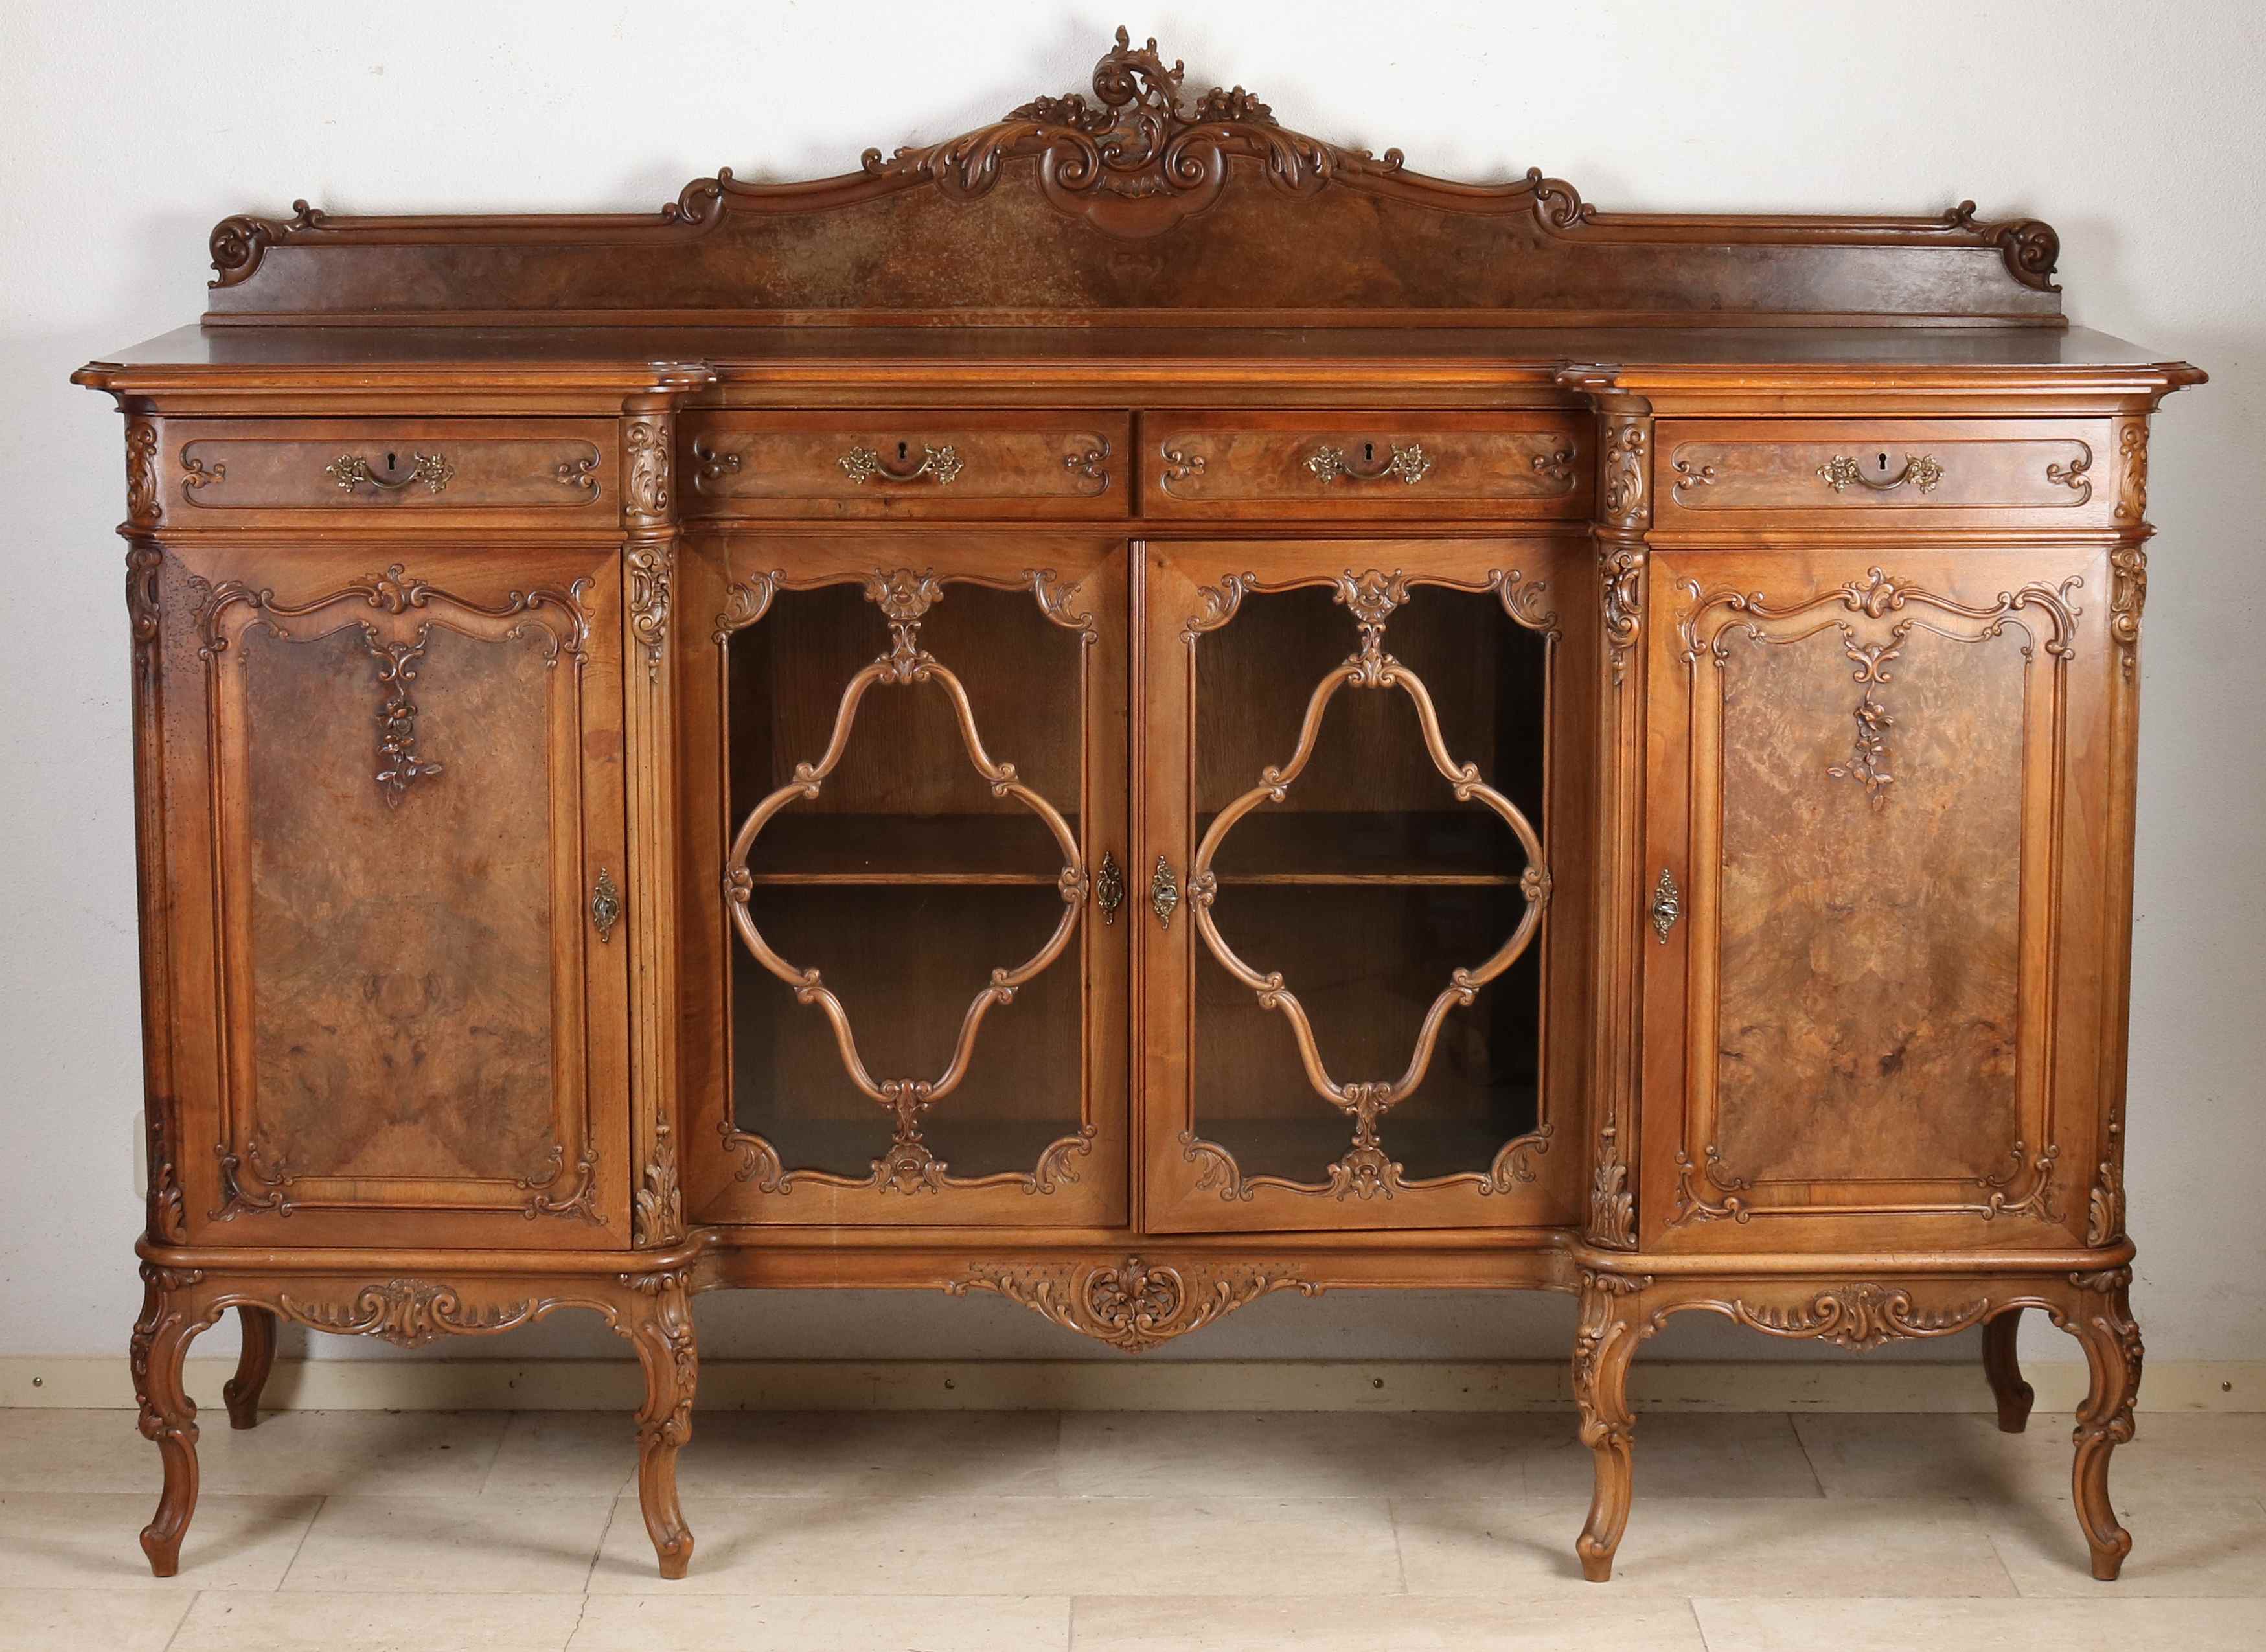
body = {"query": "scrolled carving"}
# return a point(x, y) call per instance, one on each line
point(236, 243)
point(2030, 247)
point(747, 601)
point(2075, 476)
point(1628, 444)
point(710, 465)
point(646, 440)
point(1136, 160)
point(1056, 601)
point(2133, 470)
point(407, 1312)
point(657, 1214)
point(652, 570)
point(143, 506)
point(2104, 1213)
point(1621, 568)
point(1612, 1206)
point(1132, 1306)
point(2128, 596)
point(1860, 1316)
point(1220, 603)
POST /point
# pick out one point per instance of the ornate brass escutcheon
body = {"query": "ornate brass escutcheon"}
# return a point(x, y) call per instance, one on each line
point(351, 471)
point(1409, 463)
point(605, 905)
point(1921, 469)
point(863, 465)
point(1164, 893)
point(1667, 905)
point(1109, 887)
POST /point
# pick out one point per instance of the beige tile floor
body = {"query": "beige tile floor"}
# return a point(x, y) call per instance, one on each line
point(353, 1531)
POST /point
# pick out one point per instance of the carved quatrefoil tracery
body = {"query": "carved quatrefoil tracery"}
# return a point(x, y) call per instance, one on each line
point(1366, 1170)
point(904, 597)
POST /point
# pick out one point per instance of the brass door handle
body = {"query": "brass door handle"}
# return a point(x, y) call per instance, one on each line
point(351, 471)
point(1922, 471)
point(605, 905)
point(1109, 887)
point(1164, 893)
point(1667, 905)
point(1410, 464)
point(864, 465)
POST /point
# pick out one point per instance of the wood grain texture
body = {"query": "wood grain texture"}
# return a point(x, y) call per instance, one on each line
point(989, 516)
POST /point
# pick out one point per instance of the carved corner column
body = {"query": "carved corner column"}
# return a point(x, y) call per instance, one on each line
point(649, 528)
point(149, 574)
point(1624, 517)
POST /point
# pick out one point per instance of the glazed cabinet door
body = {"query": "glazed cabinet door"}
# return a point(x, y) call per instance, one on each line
point(1365, 814)
point(907, 895)
point(1878, 897)
point(393, 798)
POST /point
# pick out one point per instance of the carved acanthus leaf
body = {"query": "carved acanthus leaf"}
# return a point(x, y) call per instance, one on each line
point(1132, 1306)
point(1860, 1316)
point(407, 1312)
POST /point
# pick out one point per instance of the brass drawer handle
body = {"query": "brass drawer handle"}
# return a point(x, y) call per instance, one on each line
point(351, 471)
point(1410, 464)
point(1109, 887)
point(1921, 469)
point(606, 906)
point(1164, 893)
point(864, 465)
point(1667, 905)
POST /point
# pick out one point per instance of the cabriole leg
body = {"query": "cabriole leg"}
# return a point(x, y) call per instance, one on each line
point(1606, 1343)
point(2100, 1319)
point(658, 1323)
point(2004, 1371)
point(242, 1390)
point(169, 1416)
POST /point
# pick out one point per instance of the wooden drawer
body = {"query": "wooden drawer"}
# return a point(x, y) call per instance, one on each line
point(1365, 465)
point(2036, 471)
point(942, 464)
point(218, 466)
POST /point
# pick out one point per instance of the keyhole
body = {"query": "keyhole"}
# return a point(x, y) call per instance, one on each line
point(1884, 461)
point(388, 461)
point(1367, 452)
point(904, 453)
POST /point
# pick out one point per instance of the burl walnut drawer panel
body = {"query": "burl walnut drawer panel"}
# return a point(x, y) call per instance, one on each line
point(1365, 465)
point(938, 464)
point(2039, 471)
point(223, 465)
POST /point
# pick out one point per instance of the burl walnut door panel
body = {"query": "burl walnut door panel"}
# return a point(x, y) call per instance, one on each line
point(907, 898)
point(407, 787)
point(1364, 817)
point(1874, 870)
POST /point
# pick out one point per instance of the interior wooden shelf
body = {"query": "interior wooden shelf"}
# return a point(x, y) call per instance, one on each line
point(1011, 850)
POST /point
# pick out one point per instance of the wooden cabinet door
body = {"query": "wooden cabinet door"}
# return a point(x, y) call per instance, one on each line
point(1365, 797)
point(395, 825)
point(1880, 896)
point(908, 895)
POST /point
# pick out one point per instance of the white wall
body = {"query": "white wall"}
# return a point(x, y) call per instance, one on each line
point(2134, 128)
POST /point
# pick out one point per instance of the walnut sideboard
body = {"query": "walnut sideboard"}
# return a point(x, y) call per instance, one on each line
point(1135, 711)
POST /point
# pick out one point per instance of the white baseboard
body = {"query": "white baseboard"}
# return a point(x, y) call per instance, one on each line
point(397, 1385)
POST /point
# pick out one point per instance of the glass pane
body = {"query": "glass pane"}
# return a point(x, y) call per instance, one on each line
point(1368, 883)
point(907, 880)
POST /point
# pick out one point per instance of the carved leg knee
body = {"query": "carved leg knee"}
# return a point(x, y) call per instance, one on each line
point(242, 1390)
point(169, 1416)
point(1602, 1347)
point(2004, 1371)
point(2100, 1319)
point(659, 1325)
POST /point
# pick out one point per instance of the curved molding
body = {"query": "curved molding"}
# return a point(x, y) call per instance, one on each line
point(1132, 157)
point(1132, 1306)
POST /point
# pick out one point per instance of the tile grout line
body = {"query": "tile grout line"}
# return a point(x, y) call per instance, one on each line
point(1698, 1624)
point(181, 1622)
point(1990, 1536)
point(1069, 1624)
point(305, 1531)
point(613, 1513)
point(581, 1611)
point(1793, 1427)
point(1400, 1556)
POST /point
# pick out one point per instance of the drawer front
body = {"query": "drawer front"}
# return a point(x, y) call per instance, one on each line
point(219, 467)
point(867, 464)
point(1365, 465)
point(2038, 470)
